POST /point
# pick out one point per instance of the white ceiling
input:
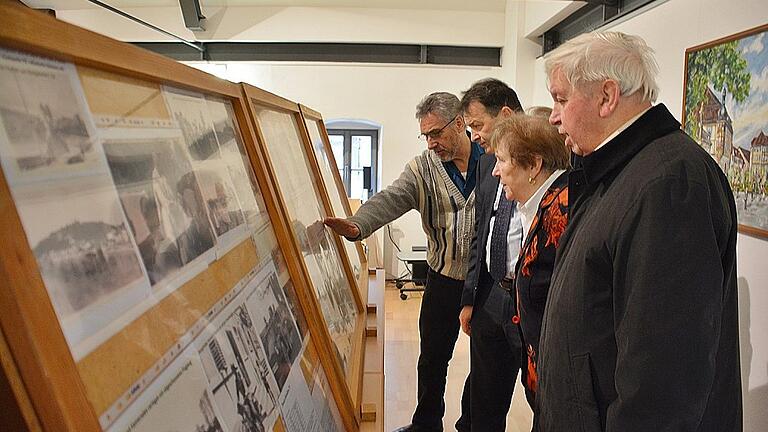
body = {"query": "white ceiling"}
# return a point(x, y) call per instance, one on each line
point(455, 5)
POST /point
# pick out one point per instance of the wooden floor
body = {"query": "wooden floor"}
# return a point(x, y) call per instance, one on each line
point(401, 352)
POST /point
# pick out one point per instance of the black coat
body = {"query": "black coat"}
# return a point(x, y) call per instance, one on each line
point(485, 194)
point(641, 327)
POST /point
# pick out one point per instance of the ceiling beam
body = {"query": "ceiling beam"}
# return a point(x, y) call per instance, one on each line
point(193, 15)
point(600, 2)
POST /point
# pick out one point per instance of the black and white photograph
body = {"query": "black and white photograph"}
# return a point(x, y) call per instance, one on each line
point(329, 173)
point(279, 260)
point(295, 306)
point(193, 118)
point(46, 129)
point(319, 250)
point(248, 193)
point(223, 119)
point(84, 251)
point(182, 389)
point(162, 201)
point(268, 248)
point(331, 286)
point(236, 160)
point(239, 376)
point(219, 197)
point(275, 325)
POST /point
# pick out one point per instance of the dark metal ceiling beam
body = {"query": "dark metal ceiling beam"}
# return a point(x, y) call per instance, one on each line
point(197, 47)
point(331, 52)
point(600, 2)
point(193, 15)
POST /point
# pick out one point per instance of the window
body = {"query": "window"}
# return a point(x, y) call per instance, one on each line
point(593, 15)
point(356, 152)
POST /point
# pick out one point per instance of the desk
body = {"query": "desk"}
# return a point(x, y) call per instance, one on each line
point(417, 261)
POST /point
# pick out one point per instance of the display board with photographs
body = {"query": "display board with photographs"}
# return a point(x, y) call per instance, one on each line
point(153, 283)
point(69, 207)
point(302, 190)
point(235, 359)
point(339, 201)
point(242, 372)
point(182, 388)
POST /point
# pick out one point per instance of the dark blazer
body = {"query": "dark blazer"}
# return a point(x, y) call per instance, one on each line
point(641, 329)
point(485, 193)
point(533, 273)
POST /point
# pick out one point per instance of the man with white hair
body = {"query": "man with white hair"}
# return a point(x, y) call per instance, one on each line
point(641, 327)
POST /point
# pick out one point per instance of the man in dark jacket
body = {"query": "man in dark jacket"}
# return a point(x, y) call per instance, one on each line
point(487, 307)
point(641, 327)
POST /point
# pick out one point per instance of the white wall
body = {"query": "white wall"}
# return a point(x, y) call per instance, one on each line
point(302, 24)
point(383, 94)
point(669, 29)
point(518, 50)
point(541, 15)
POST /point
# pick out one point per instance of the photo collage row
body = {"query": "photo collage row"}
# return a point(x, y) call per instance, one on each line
point(126, 191)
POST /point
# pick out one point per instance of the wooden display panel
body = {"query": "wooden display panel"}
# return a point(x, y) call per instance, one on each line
point(321, 146)
point(155, 134)
point(301, 188)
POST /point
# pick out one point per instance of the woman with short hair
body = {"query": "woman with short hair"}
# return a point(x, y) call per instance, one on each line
point(532, 163)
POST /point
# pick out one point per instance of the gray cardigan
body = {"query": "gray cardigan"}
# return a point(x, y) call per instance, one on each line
point(446, 216)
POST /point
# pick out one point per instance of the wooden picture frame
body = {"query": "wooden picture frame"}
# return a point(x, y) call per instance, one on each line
point(292, 149)
point(321, 146)
point(721, 111)
point(50, 388)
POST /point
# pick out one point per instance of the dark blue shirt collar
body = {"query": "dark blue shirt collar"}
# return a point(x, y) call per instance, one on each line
point(465, 186)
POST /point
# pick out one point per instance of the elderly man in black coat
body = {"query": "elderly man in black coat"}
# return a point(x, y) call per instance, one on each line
point(641, 327)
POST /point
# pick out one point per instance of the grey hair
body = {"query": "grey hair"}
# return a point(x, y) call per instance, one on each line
point(442, 104)
point(597, 56)
point(539, 111)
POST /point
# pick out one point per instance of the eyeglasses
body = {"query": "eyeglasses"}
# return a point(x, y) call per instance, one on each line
point(434, 134)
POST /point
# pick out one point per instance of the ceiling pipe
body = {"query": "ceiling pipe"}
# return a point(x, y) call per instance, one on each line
point(198, 47)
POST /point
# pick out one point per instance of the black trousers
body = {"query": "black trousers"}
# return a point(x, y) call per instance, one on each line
point(495, 358)
point(438, 330)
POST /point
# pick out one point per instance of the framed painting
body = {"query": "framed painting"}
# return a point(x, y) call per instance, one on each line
point(300, 186)
point(321, 146)
point(725, 109)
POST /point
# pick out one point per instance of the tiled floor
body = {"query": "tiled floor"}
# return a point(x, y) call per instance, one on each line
point(401, 352)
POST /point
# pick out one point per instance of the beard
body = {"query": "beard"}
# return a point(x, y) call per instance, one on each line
point(445, 154)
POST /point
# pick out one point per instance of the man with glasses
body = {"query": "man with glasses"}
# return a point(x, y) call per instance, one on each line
point(439, 183)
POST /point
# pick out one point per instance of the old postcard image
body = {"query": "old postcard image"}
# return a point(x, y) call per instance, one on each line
point(275, 324)
point(239, 376)
point(86, 254)
point(234, 157)
point(46, 132)
point(162, 200)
